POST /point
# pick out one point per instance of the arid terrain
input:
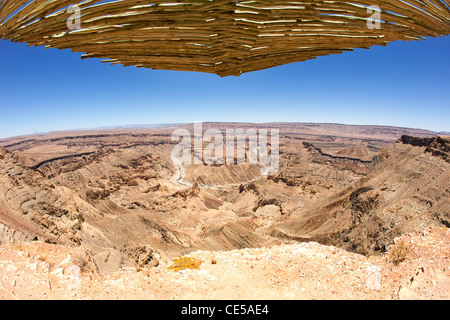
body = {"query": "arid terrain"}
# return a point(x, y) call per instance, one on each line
point(357, 212)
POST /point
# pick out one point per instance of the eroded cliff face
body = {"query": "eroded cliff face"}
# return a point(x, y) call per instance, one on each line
point(440, 147)
point(407, 191)
point(112, 196)
point(33, 207)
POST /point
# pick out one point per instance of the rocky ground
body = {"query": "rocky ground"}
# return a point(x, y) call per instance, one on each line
point(416, 266)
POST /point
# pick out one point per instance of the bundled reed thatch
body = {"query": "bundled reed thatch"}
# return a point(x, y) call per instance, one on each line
point(225, 37)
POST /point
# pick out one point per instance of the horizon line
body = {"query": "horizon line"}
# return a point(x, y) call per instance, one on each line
point(161, 125)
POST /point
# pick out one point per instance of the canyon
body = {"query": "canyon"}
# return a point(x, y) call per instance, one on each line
point(115, 197)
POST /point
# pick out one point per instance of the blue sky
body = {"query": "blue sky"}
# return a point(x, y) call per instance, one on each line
point(403, 84)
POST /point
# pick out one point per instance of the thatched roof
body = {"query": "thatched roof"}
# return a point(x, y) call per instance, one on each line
point(218, 36)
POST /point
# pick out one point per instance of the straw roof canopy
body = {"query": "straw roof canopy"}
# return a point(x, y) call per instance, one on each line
point(218, 36)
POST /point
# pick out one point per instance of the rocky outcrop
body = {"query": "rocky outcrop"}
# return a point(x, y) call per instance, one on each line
point(190, 192)
point(415, 141)
point(249, 187)
point(406, 192)
point(142, 256)
point(338, 157)
point(440, 147)
point(265, 202)
point(289, 181)
point(32, 205)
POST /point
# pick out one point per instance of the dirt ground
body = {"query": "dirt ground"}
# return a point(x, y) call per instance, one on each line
point(415, 267)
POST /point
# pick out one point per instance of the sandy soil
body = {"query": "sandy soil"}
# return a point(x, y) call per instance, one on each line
point(35, 270)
